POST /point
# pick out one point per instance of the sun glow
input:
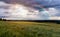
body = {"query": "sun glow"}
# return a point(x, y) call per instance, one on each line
point(19, 10)
point(22, 11)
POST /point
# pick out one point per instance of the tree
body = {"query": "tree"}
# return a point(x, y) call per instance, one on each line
point(0, 19)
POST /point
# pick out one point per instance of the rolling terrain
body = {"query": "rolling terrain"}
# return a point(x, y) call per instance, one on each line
point(29, 29)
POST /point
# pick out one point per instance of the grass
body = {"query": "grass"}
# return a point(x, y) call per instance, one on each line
point(28, 29)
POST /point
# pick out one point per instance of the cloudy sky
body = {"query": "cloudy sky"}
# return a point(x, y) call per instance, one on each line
point(30, 9)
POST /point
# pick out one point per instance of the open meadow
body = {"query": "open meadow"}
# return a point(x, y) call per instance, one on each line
point(28, 29)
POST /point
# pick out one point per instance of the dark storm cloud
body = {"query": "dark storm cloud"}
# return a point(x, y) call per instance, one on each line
point(7, 1)
point(45, 3)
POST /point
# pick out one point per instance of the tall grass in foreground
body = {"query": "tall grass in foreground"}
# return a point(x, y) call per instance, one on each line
point(28, 29)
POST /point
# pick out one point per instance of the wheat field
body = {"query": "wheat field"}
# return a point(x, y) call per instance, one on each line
point(28, 29)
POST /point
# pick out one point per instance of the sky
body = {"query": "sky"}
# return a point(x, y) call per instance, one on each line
point(30, 9)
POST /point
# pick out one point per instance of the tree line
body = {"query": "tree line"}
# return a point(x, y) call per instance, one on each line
point(50, 21)
point(2, 19)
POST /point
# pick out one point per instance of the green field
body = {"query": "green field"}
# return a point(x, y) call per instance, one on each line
point(28, 29)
